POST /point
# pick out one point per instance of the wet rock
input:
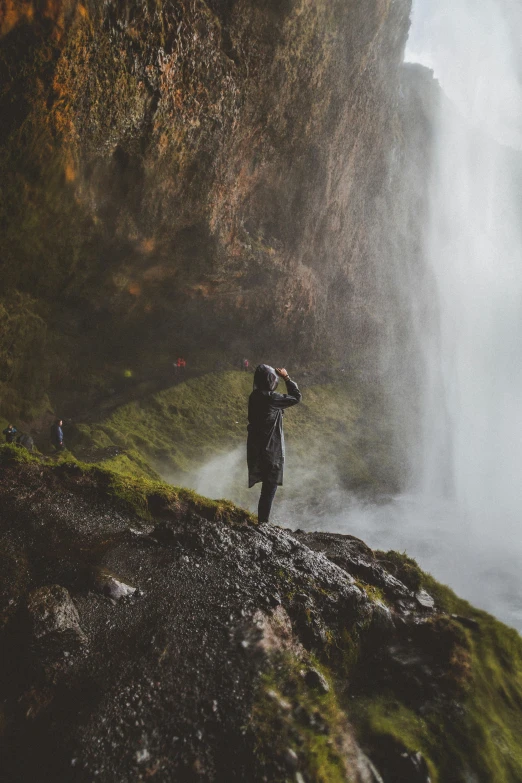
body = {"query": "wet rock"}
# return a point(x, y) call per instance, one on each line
point(356, 558)
point(187, 539)
point(186, 662)
point(105, 583)
point(368, 770)
point(54, 620)
point(314, 679)
point(415, 766)
point(382, 625)
point(35, 701)
point(283, 704)
point(142, 756)
point(309, 625)
point(425, 600)
point(14, 579)
point(291, 758)
point(400, 765)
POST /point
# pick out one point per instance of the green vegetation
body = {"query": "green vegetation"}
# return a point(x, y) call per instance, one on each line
point(178, 429)
point(9, 453)
point(147, 497)
point(290, 716)
point(403, 567)
point(174, 432)
point(144, 496)
point(476, 727)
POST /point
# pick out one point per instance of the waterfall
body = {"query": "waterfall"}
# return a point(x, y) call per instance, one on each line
point(469, 450)
point(472, 399)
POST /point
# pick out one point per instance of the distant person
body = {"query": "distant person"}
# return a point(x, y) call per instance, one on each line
point(57, 435)
point(245, 364)
point(266, 443)
point(10, 433)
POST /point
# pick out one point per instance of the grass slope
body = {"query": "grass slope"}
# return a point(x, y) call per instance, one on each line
point(177, 430)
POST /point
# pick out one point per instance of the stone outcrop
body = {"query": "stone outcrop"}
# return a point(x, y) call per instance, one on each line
point(172, 169)
point(246, 653)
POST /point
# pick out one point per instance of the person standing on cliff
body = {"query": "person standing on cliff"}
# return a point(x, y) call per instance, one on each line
point(265, 442)
point(57, 435)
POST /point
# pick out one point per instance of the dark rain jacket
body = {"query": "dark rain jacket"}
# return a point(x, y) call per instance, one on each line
point(10, 434)
point(266, 443)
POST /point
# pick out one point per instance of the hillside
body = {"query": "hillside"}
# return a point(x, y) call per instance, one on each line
point(149, 632)
point(176, 432)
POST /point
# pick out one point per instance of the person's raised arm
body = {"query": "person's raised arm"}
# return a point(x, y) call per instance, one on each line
point(293, 395)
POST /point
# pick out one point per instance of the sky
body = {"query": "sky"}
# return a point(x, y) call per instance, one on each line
point(475, 49)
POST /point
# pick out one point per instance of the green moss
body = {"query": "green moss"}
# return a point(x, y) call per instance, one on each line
point(471, 727)
point(476, 727)
point(9, 454)
point(178, 429)
point(149, 497)
point(174, 432)
point(373, 593)
point(288, 714)
point(403, 567)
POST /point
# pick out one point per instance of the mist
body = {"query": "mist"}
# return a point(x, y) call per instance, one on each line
point(462, 511)
point(470, 447)
point(434, 530)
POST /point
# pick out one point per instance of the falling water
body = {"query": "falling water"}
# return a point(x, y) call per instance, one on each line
point(462, 518)
point(471, 444)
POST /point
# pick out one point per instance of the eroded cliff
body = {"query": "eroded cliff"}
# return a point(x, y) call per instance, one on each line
point(188, 176)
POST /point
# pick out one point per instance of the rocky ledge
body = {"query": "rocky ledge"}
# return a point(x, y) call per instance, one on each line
point(150, 633)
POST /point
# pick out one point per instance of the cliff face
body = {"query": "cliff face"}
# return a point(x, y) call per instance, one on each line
point(173, 170)
point(150, 633)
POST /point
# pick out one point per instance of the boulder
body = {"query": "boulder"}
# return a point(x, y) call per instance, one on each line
point(105, 583)
point(54, 621)
point(425, 600)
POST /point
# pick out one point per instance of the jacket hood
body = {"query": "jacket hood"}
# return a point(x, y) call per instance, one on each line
point(265, 378)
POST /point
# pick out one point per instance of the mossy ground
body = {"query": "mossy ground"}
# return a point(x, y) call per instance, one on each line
point(146, 497)
point(288, 715)
point(476, 729)
point(176, 431)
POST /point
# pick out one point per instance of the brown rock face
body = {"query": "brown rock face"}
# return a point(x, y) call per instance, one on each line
point(172, 170)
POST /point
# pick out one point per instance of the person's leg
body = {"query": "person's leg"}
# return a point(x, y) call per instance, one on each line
point(268, 490)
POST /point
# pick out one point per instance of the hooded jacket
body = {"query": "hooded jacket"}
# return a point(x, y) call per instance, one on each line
point(265, 442)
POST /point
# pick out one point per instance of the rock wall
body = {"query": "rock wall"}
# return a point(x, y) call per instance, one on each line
point(179, 175)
